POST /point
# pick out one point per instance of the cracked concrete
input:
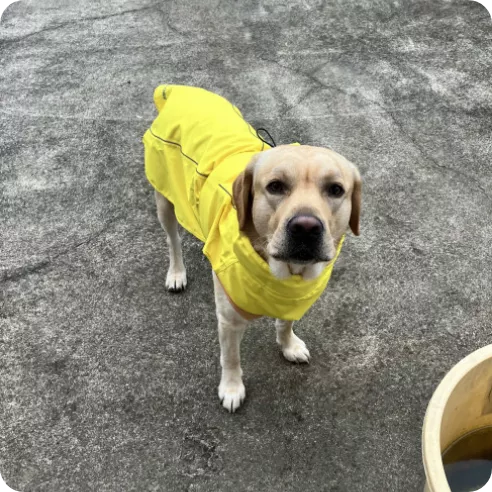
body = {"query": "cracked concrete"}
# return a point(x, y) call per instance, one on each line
point(108, 382)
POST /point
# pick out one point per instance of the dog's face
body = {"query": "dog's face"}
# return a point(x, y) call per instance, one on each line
point(297, 202)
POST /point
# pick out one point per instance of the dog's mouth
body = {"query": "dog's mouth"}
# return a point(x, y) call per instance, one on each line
point(301, 252)
point(301, 256)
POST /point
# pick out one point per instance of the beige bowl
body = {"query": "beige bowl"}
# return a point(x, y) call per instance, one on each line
point(461, 403)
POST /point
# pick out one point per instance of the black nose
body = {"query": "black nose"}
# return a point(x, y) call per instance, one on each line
point(305, 226)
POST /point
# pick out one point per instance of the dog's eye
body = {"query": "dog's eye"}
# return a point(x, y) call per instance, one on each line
point(276, 187)
point(335, 190)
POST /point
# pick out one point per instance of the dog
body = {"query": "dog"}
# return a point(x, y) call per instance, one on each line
point(273, 219)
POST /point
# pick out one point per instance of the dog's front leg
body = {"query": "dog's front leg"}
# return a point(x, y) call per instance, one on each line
point(293, 348)
point(231, 330)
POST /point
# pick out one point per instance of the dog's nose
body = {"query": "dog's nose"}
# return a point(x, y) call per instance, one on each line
point(305, 225)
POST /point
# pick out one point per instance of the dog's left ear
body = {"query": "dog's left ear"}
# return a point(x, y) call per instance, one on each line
point(356, 202)
point(242, 193)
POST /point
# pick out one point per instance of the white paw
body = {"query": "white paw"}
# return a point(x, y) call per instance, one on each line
point(295, 350)
point(176, 280)
point(232, 394)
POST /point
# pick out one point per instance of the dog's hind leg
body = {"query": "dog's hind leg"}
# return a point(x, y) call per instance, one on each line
point(176, 275)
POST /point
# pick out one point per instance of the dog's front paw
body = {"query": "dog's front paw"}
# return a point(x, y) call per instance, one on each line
point(295, 350)
point(176, 280)
point(232, 394)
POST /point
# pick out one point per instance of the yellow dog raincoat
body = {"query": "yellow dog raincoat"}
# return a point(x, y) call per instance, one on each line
point(194, 151)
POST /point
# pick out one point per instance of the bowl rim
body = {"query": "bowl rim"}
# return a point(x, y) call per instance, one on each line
point(431, 439)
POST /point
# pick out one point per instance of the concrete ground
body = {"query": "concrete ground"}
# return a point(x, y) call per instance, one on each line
point(107, 381)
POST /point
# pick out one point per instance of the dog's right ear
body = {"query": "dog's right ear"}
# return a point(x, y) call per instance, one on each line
point(242, 193)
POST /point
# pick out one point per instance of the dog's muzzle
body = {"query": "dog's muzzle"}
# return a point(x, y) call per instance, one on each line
point(303, 240)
